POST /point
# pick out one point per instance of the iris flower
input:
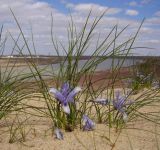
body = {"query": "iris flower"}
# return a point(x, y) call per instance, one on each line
point(58, 134)
point(119, 104)
point(87, 123)
point(65, 95)
point(155, 84)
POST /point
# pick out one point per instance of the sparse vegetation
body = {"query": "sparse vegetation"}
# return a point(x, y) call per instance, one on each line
point(75, 101)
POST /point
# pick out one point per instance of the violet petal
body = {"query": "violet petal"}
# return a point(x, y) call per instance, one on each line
point(65, 89)
point(125, 117)
point(72, 94)
point(58, 134)
point(66, 108)
point(57, 94)
point(87, 123)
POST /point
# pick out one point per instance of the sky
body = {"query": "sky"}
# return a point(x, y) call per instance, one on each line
point(34, 16)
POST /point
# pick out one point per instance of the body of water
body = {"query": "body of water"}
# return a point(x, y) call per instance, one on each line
point(49, 70)
point(107, 64)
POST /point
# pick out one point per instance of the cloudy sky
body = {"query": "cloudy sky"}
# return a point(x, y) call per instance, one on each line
point(35, 16)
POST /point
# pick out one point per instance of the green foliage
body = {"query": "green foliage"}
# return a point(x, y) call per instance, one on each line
point(145, 74)
point(14, 90)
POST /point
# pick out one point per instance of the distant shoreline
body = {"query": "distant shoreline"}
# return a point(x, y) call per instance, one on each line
point(19, 61)
point(24, 61)
point(82, 57)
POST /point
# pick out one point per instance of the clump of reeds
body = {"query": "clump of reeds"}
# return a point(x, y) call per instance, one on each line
point(72, 102)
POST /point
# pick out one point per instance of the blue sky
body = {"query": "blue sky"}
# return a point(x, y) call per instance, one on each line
point(36, 14)
point(146, 8)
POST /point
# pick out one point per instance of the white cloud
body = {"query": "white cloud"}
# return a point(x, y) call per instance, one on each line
point(146, 30)
point(133, 3)
point(157, 13)
point(67, 4)
point(154, 41)
point(86, 7)
point(38, 14)
point(153, 21)
point(35, 13)
point(143, 2)
point(132, 12)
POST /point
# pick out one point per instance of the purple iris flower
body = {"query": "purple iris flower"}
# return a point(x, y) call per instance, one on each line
point(58, 134)
point(155, 84)
point(87, 123)
point(65, 95)
point(119, 104)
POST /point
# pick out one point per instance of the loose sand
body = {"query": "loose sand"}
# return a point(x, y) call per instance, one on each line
point(138, 135)
point(97, 139)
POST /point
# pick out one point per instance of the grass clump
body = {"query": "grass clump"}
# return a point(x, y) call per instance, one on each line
point(74, 99)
